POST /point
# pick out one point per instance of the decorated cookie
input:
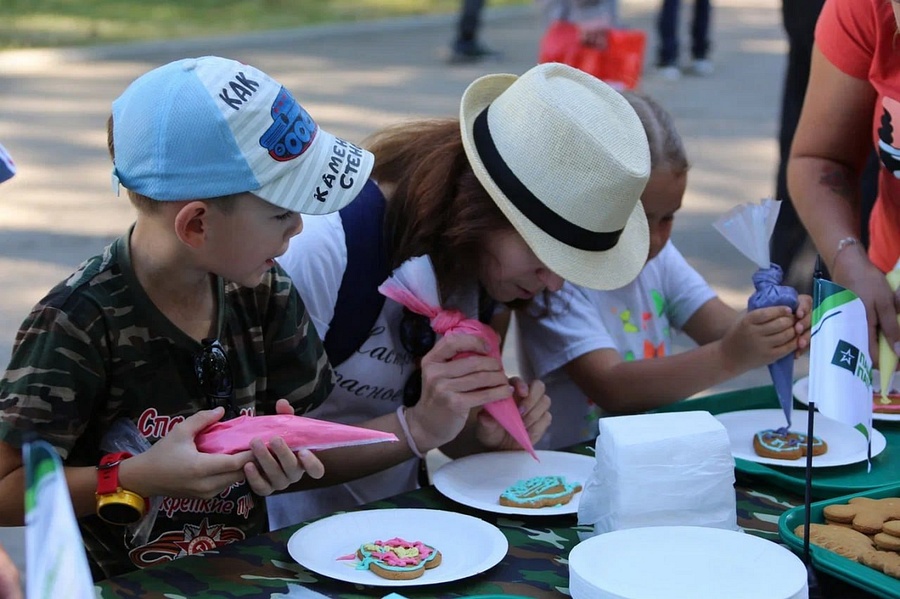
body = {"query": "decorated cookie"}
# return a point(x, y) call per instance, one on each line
point(867, 515)
point(398, 559)
point(785, 445)
point(886, 405)
point(538, 492)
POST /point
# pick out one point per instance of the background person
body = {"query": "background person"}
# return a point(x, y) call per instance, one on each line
point(466, 47)
point(850, 107)
point(593, 17)
point(790, 239)
point(668, 25)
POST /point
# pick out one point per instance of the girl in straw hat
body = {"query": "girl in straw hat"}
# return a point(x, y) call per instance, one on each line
point(591, 346)
point(536, 183)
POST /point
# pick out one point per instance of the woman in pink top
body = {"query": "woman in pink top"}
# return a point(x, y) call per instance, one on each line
point(851, 101)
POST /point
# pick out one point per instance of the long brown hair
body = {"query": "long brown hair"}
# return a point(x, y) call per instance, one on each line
point(436, 206)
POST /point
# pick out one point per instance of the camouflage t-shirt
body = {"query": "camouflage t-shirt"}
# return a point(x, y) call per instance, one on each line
point(96, 349)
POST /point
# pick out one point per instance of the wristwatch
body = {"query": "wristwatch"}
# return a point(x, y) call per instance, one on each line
point(115, 504)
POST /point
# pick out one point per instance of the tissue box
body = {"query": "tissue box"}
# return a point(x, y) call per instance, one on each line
point(671, 469)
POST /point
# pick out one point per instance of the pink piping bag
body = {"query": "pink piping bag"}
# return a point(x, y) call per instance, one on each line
point(414, 285)
point(233, 436)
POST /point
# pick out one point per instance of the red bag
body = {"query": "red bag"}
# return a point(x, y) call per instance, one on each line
point(620, 64)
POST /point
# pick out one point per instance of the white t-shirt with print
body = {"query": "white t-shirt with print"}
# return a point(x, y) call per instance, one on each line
point(368, 384)
point(635, 320)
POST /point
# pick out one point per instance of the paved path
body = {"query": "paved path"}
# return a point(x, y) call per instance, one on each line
point(354, 79)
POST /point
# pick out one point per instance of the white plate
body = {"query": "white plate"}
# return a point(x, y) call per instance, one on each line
point(846, 445)
point(684, 561)
point(478, 480)
point(468, 545)
point(801, 392)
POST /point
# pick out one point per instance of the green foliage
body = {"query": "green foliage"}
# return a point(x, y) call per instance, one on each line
point(43, 23)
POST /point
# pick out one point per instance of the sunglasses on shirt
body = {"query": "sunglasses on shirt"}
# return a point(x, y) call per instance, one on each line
point(417, 338)
point(214, 375)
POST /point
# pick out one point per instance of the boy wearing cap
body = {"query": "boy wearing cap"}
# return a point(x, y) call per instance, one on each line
point(183, 319)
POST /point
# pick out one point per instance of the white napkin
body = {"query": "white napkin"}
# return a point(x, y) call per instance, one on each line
point(658, 470)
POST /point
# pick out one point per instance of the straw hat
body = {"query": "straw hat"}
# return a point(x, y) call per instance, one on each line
point(565, 157)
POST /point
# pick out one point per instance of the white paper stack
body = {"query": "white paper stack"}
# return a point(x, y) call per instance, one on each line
point(671, 469)
point(684, 562)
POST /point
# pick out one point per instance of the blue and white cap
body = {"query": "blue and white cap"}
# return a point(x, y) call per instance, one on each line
point(7, 166)
point(207, 127)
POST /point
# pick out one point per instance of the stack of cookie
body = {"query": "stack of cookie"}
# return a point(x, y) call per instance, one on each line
point(864, 530)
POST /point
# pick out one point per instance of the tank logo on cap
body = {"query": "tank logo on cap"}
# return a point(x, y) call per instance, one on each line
point(292, 131)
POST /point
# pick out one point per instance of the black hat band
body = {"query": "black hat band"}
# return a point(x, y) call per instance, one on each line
point(527, 203)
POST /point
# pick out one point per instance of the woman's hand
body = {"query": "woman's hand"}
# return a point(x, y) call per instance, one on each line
point(534, 406)
point(276, 467)
point(853, 270)
point(452, 387)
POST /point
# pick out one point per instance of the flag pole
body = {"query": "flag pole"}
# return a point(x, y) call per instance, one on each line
point(807, 499)
point(811, 579)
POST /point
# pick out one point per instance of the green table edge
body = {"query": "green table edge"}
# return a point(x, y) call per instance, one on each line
point(828, 561)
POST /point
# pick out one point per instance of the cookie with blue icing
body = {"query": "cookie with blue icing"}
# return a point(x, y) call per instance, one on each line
point(539, 491)
point(782, 444)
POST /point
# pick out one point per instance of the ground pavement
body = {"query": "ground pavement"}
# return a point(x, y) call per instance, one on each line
point(354, 79)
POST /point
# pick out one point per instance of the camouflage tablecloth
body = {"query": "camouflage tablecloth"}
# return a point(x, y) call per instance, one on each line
point(535, 566)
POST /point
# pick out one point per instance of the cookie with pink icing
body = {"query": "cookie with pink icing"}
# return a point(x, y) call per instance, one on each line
point(398, 559)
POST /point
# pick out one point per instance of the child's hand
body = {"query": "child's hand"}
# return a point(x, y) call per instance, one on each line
point(534, 405)
point(759, 338)
point(803, 323)
point(173, 467)
point(593, 32)
point(276, 467)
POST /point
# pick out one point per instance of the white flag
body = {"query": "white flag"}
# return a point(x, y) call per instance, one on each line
point(840, 369)
point(55, 562)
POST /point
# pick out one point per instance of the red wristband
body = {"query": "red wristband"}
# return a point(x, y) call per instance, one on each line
point(108, 472)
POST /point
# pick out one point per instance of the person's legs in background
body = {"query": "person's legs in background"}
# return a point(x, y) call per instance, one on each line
point(667, 29)
point(868, 191)
point(700, 44)
point(466, 47)
point(789, 236)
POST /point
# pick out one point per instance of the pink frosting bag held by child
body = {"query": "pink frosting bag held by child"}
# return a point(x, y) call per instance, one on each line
point(414, 285)
point(299, 432)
